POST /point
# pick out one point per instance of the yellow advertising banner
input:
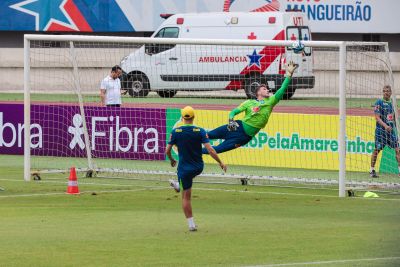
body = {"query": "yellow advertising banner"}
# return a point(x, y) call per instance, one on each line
point(299, 141)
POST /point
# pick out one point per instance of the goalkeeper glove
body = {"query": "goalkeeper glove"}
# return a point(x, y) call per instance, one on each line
point(232, 125)
point(291, 67)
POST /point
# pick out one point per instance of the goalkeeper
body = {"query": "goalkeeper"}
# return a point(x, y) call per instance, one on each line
point(257, 111)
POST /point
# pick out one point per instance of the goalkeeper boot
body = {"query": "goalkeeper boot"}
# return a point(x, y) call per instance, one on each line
point(174, 185)
point(373, 174)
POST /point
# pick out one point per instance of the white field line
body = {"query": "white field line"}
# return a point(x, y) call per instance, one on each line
point(326, 262)
point(287, 194)
point(82, 192)
point(66, 182)
point(195, 188)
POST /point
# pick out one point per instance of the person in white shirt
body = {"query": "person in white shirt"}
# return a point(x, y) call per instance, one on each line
point(110, 88)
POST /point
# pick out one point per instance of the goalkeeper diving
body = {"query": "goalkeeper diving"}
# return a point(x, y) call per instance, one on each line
point(257, 112)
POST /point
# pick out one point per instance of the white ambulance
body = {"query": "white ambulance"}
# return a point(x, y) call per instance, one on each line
point(170, 68)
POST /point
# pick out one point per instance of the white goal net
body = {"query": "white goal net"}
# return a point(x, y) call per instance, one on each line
point(304, 141)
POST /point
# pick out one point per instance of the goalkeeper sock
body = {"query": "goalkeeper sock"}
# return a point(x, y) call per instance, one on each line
point(191, 222)
point(372, 169)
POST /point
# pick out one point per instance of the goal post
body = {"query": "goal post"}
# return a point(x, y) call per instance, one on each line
point(27, 110)
point(81, 107)
point(391, 83)
point(304, 142)
point(342, 119)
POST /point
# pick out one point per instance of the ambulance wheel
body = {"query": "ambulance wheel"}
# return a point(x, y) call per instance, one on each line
point(250, 86)
point(167, 93)
point(138, 85)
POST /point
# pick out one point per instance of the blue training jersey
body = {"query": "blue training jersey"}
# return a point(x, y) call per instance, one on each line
point(386, 112)
point(188, 139)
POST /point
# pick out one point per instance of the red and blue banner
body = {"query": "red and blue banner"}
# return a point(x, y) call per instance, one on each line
point(63, 15)
point(346, 16)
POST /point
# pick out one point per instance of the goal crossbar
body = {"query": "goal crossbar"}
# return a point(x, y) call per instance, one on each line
point(146, 40)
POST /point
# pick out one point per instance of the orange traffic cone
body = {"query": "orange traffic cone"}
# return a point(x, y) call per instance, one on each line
point(72, 183)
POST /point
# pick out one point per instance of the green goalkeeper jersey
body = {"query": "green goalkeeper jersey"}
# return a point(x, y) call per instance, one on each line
point(257, 112)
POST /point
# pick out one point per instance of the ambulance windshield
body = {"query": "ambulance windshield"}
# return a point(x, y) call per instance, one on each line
point(299, 33)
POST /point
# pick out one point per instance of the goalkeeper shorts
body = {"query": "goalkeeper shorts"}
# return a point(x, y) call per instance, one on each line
point(232, 139)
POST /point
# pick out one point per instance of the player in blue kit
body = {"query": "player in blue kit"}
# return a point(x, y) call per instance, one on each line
point(385, 132)
point(189, 139)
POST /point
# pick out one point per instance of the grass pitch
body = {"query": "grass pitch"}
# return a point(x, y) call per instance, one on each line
point(119, 222)
point(140, 223)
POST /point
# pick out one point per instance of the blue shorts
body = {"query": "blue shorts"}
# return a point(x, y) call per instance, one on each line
point(232, 139)
point(383, 138)
point(185, 177)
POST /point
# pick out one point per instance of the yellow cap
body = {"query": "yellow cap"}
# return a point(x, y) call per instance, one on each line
point(187, 112)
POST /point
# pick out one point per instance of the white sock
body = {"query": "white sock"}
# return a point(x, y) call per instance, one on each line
point(373, 169)
point(399, 169)
point(191, 222)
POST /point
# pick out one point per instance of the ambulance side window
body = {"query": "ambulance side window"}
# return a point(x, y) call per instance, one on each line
point(171, 32)
point(168, 32)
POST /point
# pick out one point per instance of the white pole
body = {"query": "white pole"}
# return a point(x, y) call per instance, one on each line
point(391, 83)
point(80, 99)
point(27, 112)
point(342, 119)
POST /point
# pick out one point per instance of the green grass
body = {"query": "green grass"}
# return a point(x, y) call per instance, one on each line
point(295, 101)
point(140, 223)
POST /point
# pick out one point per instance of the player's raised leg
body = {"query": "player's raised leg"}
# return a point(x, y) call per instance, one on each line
point(220, 132)
point(233, 139)
point(229, 144)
